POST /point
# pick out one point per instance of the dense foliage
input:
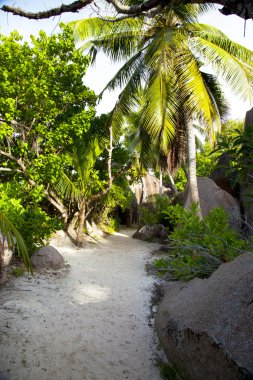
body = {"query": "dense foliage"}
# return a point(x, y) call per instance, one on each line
point(153, 211)
point(50, 140)
point(197, 246)
point(36, 225)
point(43, 102)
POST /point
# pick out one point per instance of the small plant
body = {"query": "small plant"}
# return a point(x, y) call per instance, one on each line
point(198, 247)
point(168, 371)
point(18, 271)
point(119, 196)
point(153, 213)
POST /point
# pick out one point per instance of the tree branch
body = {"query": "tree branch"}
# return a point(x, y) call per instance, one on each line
point(14, 123)
point(51, 197)
point(241, 8)
point(3, 169)
point(73, 7)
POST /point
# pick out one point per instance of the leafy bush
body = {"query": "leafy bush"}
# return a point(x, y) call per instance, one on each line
point(33, 223)
point(199, 247)
point(18, 271)
point(153, 213)
point(238, 144)
point(118, 196)
point(168, 372)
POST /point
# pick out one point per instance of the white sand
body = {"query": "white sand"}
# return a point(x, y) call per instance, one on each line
point(90, 323)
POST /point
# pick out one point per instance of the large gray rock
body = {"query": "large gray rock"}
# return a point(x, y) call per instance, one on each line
point(205, 326)
point(246, 185)
point(224, 176)
point(151, 232)
point(149, 186)
point(212, 196)
point(47, 258)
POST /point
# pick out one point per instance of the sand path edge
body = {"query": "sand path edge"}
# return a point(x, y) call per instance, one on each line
point(90, 323)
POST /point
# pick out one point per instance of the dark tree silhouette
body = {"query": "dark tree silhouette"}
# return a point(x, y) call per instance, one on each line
point(241, 8)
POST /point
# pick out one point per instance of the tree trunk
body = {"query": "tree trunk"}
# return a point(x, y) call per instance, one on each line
point(1, 259)
point(160, 182)
point(110, 158)
point(49, 193)
point(185, 170)
point(172, 183)
point(192, 180)
point(144, 190)
point(70, 227)
point(81, 221)
point(241, 8)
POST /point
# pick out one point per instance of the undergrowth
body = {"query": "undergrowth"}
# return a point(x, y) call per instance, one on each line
point(197, 248)
point(168, 371)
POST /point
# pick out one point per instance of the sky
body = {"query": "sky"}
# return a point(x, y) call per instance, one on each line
point(97, 76)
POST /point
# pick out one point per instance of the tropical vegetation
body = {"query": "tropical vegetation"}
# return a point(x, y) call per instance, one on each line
point(163, 74)
point(198, 247)
point(62, 166)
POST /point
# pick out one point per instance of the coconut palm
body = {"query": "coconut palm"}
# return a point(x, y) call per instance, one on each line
point(164, 58)
point(76, 184)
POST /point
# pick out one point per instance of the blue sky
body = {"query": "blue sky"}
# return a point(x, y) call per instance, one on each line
point(99, 75)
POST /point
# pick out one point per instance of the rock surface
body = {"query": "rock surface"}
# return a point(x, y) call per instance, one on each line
point(224, 177)
point(154, 232)
point(246, 185)
point(205, 326)
point(149, 186)
point(47, 258)
point(212, 196)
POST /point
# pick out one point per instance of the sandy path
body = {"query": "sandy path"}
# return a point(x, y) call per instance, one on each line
point(90, 323)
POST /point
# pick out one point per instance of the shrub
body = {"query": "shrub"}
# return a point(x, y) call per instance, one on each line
point(105, 216)
point(153, 213)
point(198, 247)
point(18, 271)
point(33, 223)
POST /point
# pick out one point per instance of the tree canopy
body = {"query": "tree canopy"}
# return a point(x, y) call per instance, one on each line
point(241, 8)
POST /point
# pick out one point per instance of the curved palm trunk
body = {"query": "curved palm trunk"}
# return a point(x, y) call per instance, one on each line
point(192, 180)
point(172, 183)
point(81, 221)
point(1, 260)
point(144, 190)
point(110, 157)
point(160, 182)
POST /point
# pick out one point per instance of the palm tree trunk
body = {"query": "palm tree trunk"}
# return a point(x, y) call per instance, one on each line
point(110, 157)
point(192, 180)
point(160, 182)
point(81, 221)
point(1, 259)
point(185, 170)
point(144, 190)
point(172, 183)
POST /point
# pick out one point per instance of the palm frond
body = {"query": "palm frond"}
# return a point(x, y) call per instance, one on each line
point(188, 13)
point(158, 113)
point(66, 188)
point(216, 93)
point(116, 47)
point(93, 28)
point(235, 72)
point(14, 239)
point(215, 36)
point(132, 71)
point(193, 90)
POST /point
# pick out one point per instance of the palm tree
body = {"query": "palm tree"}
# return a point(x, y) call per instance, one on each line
point(164, 58)
point(76, 186)
point(13, 238)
